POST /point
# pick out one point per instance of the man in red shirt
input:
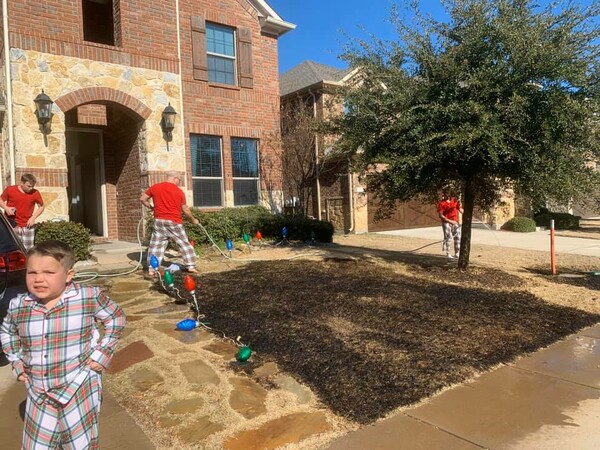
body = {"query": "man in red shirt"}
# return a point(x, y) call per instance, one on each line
point(168, 204)
point(448, 209)
point(19, 202)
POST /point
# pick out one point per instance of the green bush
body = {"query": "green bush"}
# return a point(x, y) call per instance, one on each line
point(72, 233)
point(232, 223)
point(562, 221)
point(520, 225)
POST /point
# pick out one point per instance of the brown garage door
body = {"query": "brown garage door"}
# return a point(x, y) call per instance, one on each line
point(407, 215)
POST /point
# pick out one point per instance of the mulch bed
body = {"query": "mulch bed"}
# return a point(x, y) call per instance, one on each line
point(368, 340)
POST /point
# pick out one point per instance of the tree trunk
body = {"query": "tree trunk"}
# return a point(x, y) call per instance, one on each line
point(465, 241)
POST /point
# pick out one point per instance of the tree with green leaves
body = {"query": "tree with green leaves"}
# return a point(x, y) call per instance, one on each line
point(503, 94)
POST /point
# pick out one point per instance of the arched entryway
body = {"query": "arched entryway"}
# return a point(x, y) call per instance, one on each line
point(105, 150)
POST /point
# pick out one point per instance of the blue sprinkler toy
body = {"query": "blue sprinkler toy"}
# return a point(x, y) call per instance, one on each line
point(229, 244)
point(187, 324)
point(154, 262)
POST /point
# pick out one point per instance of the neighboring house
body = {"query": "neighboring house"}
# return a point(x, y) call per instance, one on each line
point(338, 195)
point(111, 68)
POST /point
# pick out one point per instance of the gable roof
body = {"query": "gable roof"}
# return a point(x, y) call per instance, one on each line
point(270, 21)
point(309, 73)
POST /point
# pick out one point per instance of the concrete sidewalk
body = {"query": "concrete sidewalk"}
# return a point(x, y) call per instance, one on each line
point(118, 430)
point(549, 400)
point(539, 240)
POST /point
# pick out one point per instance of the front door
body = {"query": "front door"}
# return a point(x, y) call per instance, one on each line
point(86, 179)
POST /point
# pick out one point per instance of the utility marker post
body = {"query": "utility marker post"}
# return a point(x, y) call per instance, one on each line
point(552, 248)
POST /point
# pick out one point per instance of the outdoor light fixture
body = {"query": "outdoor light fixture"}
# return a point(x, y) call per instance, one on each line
point(43, 111)
point(168, 122)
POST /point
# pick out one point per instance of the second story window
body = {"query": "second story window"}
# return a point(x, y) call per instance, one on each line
point(101, 21)
point(220, 50)
point(221, 54)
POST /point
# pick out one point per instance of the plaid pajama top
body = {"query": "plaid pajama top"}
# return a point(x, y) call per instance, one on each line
point(52, 346)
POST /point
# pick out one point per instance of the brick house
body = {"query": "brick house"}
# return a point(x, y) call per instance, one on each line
point(111, 67)
point(339, 196)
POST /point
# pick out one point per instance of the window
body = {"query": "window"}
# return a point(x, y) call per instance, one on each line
point(220, 50)
point(207, 170)
point(101, 21)
point(244, 160)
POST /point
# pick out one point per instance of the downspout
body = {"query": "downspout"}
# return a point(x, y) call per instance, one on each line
point(351, 195)
point(9, 111)
point(316, 157)
point(181, 113)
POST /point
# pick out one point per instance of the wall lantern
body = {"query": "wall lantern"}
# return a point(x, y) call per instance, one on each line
point(43, 111)
point(168, 122)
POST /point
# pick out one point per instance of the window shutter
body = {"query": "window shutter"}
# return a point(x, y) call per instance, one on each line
point(199, 49)
point(245, 57)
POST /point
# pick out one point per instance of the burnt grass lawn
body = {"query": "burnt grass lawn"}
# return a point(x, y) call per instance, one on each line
point(368, 340)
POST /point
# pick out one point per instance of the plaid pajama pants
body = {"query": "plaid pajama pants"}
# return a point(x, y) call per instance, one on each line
point(73, 426)
point(162, 231)
point(26, 235)
point(450, 232)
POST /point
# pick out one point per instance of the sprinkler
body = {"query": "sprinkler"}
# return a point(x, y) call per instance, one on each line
point(259, 238)
point(284, 235)
point(229, 244)
point(187, 324)
point(246, 238)
point(169, 279)
point(190, 286)
point(243, 354)
point(154, 263)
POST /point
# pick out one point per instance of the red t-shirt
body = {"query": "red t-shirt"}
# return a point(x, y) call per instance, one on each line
point(167, 199)
point(24, 202)
point(449, 208)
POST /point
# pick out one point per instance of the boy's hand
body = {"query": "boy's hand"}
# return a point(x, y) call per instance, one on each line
point(95, 366)
point(24, 378)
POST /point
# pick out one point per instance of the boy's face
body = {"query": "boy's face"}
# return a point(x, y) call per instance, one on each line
point(46, 277)
point(27, 186)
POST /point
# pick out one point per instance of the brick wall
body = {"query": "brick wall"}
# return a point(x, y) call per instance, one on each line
point(232, 111)
point(91, 114)
point(148, 32)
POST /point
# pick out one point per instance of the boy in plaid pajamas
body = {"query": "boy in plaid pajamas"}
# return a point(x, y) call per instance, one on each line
point(51, 338)
point(169, 203)
point(19, 202)
point(448, 209)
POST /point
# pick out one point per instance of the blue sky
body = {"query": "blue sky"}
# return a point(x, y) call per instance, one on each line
point(318, 35)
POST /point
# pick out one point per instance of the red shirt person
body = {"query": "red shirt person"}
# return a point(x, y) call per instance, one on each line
point(19, 203)
point(168, 203)
point(448, 209)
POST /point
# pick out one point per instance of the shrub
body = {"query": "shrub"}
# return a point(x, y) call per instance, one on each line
point(232, 223)
point(72, 233)
point(562, 221)
point(520, 225)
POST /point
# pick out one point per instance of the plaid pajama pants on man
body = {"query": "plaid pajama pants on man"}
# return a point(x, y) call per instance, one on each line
point(73, 426)
point(162, 231)
point(450, 232)
point(26, 234)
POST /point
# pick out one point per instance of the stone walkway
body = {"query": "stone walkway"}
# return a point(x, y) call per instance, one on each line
point(183, 389)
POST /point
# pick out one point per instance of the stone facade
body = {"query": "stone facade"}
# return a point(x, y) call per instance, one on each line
point(113, 96)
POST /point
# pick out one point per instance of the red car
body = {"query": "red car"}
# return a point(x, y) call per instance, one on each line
point(13, 264)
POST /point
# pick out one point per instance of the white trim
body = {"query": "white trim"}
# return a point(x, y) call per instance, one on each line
point(270, 21)
point(9, 110)
point(221, 178)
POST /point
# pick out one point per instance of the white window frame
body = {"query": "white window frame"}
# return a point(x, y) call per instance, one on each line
point(256, 179)
point(220, 55)
point(221, 178)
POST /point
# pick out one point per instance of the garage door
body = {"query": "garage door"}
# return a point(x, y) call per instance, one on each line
point(407, 215)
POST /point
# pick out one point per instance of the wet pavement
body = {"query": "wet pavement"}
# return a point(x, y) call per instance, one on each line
point(548, 400)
